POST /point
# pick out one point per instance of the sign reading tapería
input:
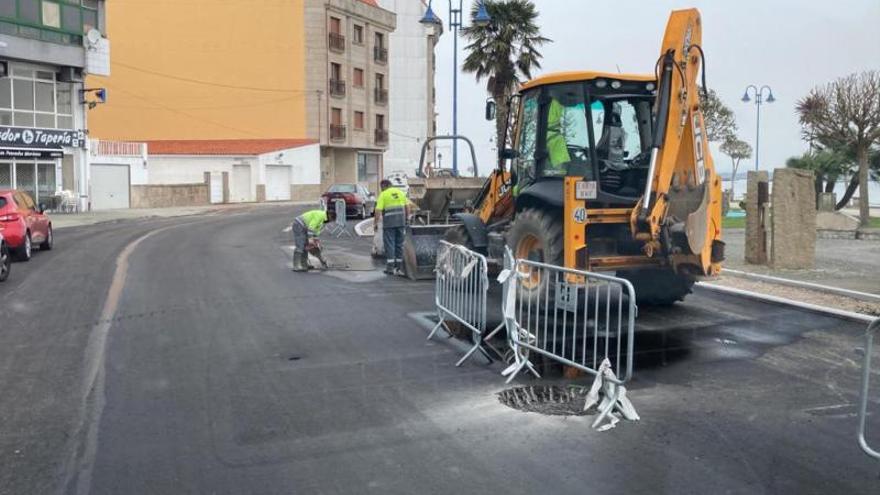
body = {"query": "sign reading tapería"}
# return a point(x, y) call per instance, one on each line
point(26, 137)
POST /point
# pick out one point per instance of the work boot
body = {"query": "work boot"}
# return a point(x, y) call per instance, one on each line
point(389, 269)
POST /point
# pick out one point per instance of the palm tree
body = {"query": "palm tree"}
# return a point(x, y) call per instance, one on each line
point(810, 109)
point(504, 52)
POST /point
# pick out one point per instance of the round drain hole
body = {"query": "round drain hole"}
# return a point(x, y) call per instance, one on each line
point(552, 400)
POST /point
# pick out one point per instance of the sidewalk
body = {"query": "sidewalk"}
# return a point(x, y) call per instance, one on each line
point(66, 220)
point(842, 263)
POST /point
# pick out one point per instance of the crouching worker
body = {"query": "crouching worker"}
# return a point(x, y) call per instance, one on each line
point(392, 209)
point(307, 225)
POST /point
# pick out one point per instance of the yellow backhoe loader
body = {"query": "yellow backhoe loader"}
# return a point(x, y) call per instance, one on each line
point(609, 172)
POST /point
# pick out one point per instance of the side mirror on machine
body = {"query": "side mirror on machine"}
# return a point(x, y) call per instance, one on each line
point(490, 110)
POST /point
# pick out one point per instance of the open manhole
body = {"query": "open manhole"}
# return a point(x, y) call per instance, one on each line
point(553, 400)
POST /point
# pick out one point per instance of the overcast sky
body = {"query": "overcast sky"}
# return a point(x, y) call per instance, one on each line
point(790, 45)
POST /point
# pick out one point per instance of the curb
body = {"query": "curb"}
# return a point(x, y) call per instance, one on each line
point(862, 296)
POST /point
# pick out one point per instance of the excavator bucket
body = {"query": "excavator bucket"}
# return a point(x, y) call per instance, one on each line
point(420, 250)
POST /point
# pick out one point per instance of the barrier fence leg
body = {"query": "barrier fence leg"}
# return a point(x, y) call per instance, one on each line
point(441, 323)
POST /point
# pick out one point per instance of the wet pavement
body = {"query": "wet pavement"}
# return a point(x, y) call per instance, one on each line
point(224, 372)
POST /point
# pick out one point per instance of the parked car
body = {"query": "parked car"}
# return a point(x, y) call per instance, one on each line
point(5, 259)
point(24, 224)
point(359, 202)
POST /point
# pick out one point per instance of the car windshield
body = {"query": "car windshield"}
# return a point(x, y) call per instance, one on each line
point(343, 188)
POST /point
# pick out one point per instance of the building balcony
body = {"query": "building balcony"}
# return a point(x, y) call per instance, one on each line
point(380, 55)
point(337, 132)
point(381, 96)
point(337, 87)
point(381, 137)
point(337, 42)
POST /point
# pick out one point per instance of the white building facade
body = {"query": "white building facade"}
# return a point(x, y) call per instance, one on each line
point(411, 63)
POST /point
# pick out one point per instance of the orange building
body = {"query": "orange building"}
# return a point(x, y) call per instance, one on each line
point(300, 69)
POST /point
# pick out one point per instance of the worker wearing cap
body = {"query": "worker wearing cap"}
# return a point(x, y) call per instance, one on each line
point(392, 209)
point(309, 224)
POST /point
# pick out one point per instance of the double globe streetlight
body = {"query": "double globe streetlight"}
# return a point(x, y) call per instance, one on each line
point(455, 21)
point(759, 99)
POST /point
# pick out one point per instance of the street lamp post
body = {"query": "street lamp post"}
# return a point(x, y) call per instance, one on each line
point(455, 21)
point(759, 99)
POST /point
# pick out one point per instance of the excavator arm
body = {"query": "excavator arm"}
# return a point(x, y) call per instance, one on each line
point(679, 214)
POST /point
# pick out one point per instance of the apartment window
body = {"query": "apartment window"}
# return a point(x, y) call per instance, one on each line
point(380, 53)
point(336, 116)
point(358, 81)
point(357, 35)
point(51, 14)
point(380, 93)
point(359, 121)
point(335, 38)
point(337, 129)
point(380, 81)
point(380, 121)
point(337, 84)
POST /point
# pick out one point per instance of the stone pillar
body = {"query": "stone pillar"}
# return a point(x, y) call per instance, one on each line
point(756, 222)
point(794, 219)
point(225, 187)
point(827, 201)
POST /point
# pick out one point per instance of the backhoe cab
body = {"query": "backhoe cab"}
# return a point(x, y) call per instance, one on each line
point(611, 172)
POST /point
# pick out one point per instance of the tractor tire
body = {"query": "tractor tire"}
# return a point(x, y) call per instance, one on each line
point(536, 235)
point(658, 287)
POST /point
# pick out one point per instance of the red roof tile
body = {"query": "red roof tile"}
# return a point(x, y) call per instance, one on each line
point(223, 146)
point(370, 2)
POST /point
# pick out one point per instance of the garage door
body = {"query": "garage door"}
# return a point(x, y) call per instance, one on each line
point(110, 187)
point(241, 183)
point(277, 183)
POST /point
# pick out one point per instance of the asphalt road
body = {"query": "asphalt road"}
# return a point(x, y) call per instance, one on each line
point(195, 361)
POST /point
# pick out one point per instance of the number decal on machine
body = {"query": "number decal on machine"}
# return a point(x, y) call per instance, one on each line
point(580, 215)
point(585, 189)
point(700, 164)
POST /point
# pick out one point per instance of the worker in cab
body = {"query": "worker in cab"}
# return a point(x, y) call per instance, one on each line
point(392, 210)
point(305, 226)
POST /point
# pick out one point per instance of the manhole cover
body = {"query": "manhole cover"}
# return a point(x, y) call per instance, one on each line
point(554, 400)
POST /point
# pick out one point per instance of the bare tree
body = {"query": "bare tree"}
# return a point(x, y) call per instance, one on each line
point(738, 150)
point(851, 119)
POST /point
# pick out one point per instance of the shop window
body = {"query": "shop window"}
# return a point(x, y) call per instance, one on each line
point(368, 168)
point(62, 97)
point(5, 117)
point(6, 175)
point(65, 122)
point(45, 182)
point(24, 177)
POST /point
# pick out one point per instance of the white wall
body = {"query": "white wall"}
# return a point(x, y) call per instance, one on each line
point(305, 162)
point(409, 86)
point(182, 169)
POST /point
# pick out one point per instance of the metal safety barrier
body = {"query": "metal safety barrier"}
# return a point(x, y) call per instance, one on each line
point(579, 319)
point(866, 380)
point(460, 292)
point(340, 224)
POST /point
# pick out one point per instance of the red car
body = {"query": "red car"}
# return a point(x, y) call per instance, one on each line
point(23, 224)
point(359, 202)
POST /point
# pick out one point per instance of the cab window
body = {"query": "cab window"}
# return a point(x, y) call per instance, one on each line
point(567, 138)
point(524, 164)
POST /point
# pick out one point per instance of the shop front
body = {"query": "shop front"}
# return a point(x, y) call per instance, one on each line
point(32, 160)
